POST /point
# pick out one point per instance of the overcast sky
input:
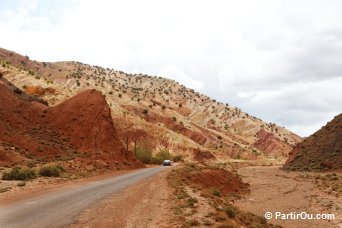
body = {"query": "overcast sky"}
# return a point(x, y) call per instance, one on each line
point(278, 60)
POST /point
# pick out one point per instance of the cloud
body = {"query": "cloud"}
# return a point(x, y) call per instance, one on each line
point(307, 104)
point(278, 60)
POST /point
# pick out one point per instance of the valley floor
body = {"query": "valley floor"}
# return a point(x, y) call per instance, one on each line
point(274, 190)
point(148, 203)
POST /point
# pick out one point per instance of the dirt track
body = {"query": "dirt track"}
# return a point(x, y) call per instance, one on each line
point(275, 190)
point(141, 205)
point(59, 209)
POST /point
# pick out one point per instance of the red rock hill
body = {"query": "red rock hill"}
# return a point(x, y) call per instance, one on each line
point(320, 151)
point(80, 129)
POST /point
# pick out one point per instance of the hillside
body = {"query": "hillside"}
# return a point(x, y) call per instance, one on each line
point(155, 111)
point(32, 132)
point(320, 151)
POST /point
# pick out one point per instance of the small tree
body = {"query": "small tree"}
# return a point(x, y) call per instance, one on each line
point(144, 154)
point(161, 156)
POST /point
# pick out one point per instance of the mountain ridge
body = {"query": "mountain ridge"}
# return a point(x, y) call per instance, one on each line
point(160, 111)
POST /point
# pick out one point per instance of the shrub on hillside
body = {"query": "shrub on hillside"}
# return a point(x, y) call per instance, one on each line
point(144, 154)
point(19, 174)
point(51, 171)
point(230, 212)
point(163, 154)
point(156, 160)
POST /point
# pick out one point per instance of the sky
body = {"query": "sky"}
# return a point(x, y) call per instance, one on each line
point(279, 60)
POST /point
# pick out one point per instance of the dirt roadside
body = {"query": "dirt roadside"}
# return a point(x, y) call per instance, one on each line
point(141, 205)
point(275, 190)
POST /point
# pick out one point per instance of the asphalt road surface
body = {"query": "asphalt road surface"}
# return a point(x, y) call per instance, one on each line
point(59, 209)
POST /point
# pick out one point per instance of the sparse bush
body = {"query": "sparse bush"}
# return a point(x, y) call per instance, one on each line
point(51, 171)
point(230, 212)
point(194, 222)
point(144, 154)
point(161, 156)
point(191, 201)
point(157, 160)
point(5, 189)
point(21, 184)
point(17, 91)
point(164, 155)
point(216, 192)
point(145, 111)
point(19, 174)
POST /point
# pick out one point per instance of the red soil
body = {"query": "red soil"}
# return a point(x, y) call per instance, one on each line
point(80, 128)
point(38, 90)
point(200, 155)
point(223, 180)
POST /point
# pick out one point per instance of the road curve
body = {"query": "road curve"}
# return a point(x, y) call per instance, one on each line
point(60, 208)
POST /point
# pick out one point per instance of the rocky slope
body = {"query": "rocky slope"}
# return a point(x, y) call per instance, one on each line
point(78, 131)
point(155, 110)
point(320, 151)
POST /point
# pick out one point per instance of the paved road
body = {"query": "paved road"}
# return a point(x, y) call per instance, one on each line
point(59, 209)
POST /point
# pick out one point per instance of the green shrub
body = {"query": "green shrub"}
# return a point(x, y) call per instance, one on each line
point(19, 174)
point(144, 154)
point(192, 201)
point(164, 155)
point(216, 192)
point(230, 212)
point(194, 222)
point(21, 184)
point(161, 156)
point(51, 171)
point(5, 189)
point(157, 160)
